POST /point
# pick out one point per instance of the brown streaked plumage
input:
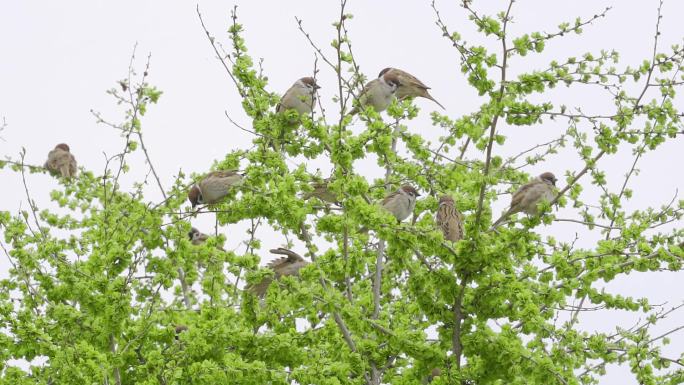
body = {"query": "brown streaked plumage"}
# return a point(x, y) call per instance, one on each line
point(449, 219)
point(214, 187)
point(61, 161)
point(410, 86)
point(527, 198)
point(284, 266)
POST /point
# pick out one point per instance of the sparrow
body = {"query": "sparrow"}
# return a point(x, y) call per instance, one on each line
point(179, 329)
point(197, 237)
point(409, 85)
point(378, 93)
point(401, 202)
point(213, 187)
point(284, 266)
point(61, 161)
point(526, 199)
point(449, 219)
point(301, 97)
point(321, 191)
point(435, 372)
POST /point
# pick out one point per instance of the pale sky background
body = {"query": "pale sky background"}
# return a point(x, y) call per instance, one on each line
point(57, 59)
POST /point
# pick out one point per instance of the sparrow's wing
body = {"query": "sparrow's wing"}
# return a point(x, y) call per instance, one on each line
point(260, 288)
point(407, 79)
point(49, 163)
point(367, 88)
point(281, 107)
point(389, 198)
point(523, 194)
point(222, 174)
point(289, 265)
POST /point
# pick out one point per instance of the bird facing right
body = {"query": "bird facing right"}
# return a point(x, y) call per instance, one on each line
point(401, 202)
point(61, 161)
point(526, 199)
point(449, 219)
point(301, 97)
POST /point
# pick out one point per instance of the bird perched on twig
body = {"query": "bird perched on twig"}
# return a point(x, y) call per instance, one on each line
point(449, 219)
point(301, 97)
point(378, 93)
point(284, 266)
point(409, 85)
point(435, 372)
point(526, 199)
point(321, 191)
point(214, 187)
point(401, 202)
point(61, 161)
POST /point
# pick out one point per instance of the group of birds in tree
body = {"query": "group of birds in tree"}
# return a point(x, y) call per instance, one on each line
point(379, 93)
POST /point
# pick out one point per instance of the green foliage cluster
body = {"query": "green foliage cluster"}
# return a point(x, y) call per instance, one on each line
point(98, 287)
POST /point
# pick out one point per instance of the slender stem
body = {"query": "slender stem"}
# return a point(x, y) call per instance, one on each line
point(456, 346)
point(495, 121)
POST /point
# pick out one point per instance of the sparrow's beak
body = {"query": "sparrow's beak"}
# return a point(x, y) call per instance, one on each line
point(203, 237)
point(316, 87)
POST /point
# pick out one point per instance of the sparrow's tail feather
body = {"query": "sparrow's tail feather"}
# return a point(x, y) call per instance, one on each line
point(428, 96)
point(500, 220)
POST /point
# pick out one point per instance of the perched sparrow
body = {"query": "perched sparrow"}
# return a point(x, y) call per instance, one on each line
point(378, 93)
point(285, 266)
point(300, 97)
point(321, 191)
point(61, 161)
point(180, 329)
point(409, 85)
point(213, 187)
point(197, 237)
point(436, 372)
point(529, 195)
point(449, 219)
point(401, 202)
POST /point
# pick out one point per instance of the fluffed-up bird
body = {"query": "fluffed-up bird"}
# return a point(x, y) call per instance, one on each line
point(527, 198)
point(409, 85)
point(301, 97)
point(214, 187)
point(284, 266)
point(378, 93)
point(401, 202)
point(449, 219)
point(61, 161)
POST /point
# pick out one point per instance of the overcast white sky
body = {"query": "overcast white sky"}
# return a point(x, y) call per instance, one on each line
point(58, 58)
